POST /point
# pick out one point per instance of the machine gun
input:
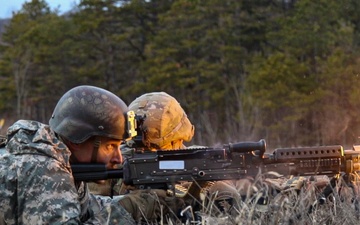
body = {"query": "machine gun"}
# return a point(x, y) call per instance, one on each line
point(163, 168)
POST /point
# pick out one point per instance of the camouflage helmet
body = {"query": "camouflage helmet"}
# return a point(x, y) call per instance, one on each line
point(165, 120)
point(87, 111)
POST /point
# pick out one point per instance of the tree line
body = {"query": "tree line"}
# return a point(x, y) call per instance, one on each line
point(284, 70)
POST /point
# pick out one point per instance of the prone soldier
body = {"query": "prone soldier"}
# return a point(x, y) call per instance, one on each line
point(36, 181)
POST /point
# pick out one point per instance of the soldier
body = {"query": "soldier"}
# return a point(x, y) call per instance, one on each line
point(36, 182)
point(164, 125)
point(164, 122)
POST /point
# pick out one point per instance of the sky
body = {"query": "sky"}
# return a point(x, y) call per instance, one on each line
point(7, 6)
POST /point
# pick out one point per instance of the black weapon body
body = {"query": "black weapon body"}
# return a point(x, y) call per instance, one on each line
point(94, 172)
point(163, 168)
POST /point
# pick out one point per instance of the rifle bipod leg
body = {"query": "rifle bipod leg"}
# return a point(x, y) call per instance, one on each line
point(328, 190)
point(190, 193)
point(355, 198)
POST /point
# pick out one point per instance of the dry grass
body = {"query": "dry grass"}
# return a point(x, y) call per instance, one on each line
point(292, 205)
point(289, 206)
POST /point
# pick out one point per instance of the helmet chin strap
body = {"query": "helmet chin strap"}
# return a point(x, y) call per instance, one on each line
point(73, 158)
point(97, 143)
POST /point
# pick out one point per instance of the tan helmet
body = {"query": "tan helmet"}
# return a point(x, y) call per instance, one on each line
point(87, 111)
point(165, 120)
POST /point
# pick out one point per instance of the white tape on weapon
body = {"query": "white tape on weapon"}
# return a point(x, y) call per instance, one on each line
point(172, 165)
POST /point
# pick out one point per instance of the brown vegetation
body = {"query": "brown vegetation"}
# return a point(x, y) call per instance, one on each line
point(280, 201)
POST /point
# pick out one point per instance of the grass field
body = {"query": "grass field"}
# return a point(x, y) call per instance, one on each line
point(299, 202)
point(277, 201)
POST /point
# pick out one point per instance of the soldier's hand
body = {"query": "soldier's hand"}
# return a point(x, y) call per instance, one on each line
point(151, 205)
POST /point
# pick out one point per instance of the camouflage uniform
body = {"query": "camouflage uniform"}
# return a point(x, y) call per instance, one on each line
point(37, 186)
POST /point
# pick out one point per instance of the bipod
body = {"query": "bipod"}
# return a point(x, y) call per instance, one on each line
point(349, 180)
point(328, 190)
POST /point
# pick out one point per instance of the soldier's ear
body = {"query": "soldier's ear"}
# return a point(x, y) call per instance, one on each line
point(73, 146)
point(81, 152)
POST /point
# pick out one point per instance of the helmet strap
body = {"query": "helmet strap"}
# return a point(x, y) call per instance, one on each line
point(68, 143)
point(97, 143)
point(178, 144)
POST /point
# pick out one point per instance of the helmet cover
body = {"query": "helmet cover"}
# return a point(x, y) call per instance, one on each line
point(165, 120)
point(86, 111)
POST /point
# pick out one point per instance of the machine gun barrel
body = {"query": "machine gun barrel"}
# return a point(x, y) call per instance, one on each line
point(163, 168)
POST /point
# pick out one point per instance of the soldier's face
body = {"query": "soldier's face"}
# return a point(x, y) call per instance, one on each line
point(108, 152)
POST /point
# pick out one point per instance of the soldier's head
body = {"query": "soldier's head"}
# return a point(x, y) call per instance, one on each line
point(91, 122)
point(165, 125)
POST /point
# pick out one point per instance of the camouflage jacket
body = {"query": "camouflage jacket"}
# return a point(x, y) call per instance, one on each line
point(37, 186)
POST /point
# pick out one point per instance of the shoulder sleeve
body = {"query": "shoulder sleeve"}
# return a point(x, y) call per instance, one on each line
point(46, 192)
point(48, 195)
